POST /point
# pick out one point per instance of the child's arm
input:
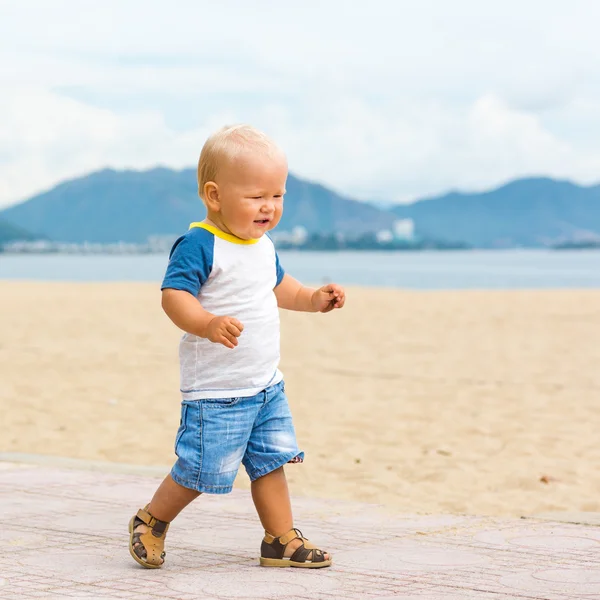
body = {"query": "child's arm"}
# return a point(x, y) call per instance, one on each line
point(292, 295)
point(187, 313)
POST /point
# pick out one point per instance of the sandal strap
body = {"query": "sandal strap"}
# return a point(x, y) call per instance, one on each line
point(158, 527)
point(302, 553)
point(273, 547)
point(285, 539)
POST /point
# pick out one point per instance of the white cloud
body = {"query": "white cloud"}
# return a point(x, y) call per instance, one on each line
point(50, 138)
point(422, 150)
point(391, 100)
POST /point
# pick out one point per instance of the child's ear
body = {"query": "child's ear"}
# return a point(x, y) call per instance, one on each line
point(211, 196)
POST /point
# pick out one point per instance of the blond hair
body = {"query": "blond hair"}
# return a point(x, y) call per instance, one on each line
point(227, 143)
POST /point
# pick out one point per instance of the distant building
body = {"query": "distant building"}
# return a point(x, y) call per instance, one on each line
point(299, 235)
point(384, 236)
point(161, 243)
point(295, 237)
point(404, 229)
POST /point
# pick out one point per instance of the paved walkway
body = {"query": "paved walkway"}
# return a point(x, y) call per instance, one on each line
point(63, 534)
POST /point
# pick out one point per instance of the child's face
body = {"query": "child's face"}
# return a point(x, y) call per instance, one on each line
point(249, 194)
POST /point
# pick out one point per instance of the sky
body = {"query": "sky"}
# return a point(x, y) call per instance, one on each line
point(385, 100)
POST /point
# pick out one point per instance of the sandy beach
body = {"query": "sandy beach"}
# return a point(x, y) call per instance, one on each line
point(462, 402)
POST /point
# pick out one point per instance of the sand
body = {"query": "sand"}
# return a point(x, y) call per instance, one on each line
point(462, 402)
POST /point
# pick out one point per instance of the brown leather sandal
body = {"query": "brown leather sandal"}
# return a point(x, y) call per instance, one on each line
point(306, 555)
point(148, 548)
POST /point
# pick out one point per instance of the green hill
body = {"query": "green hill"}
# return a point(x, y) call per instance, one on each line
point(12, 233)
point(526, 212)
point(112, 206)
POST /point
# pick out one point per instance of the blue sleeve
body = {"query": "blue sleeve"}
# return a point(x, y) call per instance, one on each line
point(190, 262)
point(280, 271)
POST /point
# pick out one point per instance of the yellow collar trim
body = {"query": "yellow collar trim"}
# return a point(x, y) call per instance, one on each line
point(221, 234)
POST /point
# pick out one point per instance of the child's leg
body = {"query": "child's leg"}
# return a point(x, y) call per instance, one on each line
point(210, 444)
point(271, 446)
point(170, 499)
point(272, 501)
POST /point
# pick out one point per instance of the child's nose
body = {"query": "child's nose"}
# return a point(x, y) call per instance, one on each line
point(268, 206)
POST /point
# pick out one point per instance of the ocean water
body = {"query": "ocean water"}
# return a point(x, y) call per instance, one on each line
point(499, 269)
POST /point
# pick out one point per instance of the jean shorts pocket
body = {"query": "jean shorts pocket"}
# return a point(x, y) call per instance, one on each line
point(182, 425)
point(220, 402)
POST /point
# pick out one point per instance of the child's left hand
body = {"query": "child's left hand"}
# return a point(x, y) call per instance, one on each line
point(328, 297)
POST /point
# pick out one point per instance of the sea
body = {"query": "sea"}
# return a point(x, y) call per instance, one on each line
point(424, 270)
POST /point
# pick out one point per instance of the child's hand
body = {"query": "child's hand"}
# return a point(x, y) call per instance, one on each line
point(328, 297)
point(224, 330)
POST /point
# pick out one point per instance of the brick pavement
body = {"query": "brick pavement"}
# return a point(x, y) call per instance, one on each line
point(64, 535)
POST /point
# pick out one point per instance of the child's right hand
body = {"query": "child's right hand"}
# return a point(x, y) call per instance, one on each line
point(224, 330)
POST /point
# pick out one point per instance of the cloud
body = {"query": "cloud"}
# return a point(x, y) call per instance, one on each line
point(394, 153)
point(424, 149)
point(50, 138)
point(386, 101)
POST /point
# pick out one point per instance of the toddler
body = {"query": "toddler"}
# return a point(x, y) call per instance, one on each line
point(223, 287)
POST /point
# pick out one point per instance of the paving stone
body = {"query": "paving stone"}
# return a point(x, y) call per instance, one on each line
point(64, 535)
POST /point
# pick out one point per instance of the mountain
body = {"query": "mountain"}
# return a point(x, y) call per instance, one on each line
point(130, 206)
point(11, 233)
point(112, 206)
point(526, 212)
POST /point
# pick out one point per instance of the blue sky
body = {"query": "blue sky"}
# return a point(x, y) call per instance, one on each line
point(387, 100)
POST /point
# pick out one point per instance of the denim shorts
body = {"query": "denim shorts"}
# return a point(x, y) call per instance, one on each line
point(216, 435)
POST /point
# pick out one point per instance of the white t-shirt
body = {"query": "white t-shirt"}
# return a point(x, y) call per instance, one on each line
point(236, 278)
